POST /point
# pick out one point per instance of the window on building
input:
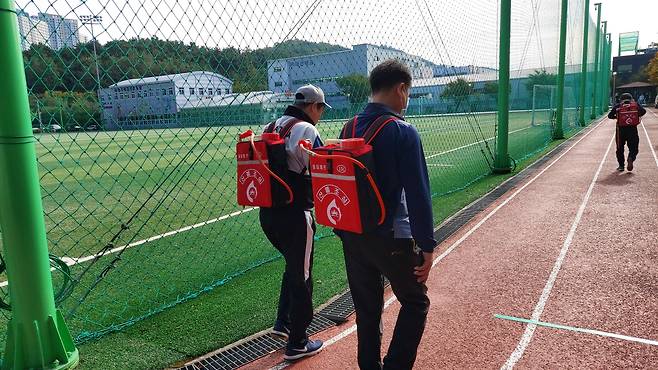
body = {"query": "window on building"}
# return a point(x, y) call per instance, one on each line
point(625, 68)
point(278, 84)
point(278, 69)
point(191, 91)
point(201, 91)
point(181, 91)
point(164, 92)
point(133, 94)
point(171, 91)
point(226, 91)
point(210, 91)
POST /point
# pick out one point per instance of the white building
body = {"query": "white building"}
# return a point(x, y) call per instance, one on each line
point(322, 70)
point(32, 30)
point(62, 32)
point(154, 99)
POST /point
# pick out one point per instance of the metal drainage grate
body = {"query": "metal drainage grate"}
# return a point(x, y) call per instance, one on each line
point(342, 307)
point(241, 354)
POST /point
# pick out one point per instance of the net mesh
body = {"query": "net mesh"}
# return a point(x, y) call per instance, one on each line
point(136, 108)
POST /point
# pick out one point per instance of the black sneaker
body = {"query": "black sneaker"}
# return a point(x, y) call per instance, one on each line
point(281, 330)
point(310, 348)
point(630, 165)
point(620, 168)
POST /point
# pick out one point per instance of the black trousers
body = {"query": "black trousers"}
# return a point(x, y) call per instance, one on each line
point(627, 136)
point(291, 231)
point(367, 259)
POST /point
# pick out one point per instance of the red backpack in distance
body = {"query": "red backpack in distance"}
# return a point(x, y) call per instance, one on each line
point(628, 114)
point(345, 194)
point(263, 168)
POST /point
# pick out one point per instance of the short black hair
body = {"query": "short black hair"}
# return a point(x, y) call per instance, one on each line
point(388, 74)
point(626, 96)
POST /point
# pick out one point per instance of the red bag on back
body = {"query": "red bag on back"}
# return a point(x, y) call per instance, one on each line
point(628, 114)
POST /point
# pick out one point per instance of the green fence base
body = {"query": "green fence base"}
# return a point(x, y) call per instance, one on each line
point(53, 338)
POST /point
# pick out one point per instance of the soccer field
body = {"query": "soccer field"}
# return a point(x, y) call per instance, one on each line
point(187, 233)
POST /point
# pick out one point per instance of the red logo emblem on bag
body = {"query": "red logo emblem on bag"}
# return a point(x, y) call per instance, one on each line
point(333, 212)
point(256, 179)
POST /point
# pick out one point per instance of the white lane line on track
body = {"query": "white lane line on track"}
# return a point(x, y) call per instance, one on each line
point(649, 139)
point(541, 304)
point(443, 255)
point(580, 330)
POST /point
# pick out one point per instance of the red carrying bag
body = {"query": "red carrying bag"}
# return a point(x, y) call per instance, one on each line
point(262, 168)
point(628, 115)
point(345, 194)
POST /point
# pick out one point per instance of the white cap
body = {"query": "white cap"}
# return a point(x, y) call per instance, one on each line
point(310, 94)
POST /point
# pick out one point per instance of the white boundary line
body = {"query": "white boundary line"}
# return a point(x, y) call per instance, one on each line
point(471, 144)
point(345, 333)
point(74, 261)
point(539, 308)
point(581, 330)
point(649, 139)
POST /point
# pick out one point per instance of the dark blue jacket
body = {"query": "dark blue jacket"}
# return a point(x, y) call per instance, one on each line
point(400, 164)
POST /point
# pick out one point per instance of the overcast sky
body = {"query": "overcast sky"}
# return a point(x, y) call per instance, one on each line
point(444, 31)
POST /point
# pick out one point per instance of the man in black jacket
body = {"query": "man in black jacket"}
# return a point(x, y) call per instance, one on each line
point(401, 249)
point(626, 134)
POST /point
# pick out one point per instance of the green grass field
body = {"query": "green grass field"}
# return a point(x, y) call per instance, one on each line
point(189, 236)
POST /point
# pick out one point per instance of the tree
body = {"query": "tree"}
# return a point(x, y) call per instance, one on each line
point(490, 88)
point(458, 90)
point(356, 87)
point(540, 77)
point(652, 70)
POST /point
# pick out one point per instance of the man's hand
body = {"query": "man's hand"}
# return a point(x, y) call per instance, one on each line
point(423, 271)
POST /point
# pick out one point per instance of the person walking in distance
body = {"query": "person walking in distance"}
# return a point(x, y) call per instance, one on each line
point(291, 228)
point(401, 249)
point(627, 113)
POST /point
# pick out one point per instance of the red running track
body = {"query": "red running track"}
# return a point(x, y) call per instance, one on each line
point(575, 245)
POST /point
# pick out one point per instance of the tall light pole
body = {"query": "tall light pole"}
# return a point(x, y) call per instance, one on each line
point(91, 20)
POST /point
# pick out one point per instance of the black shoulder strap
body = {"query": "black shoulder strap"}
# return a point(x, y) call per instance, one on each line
point(269, 128)
point(376, 126)
point(348, 129)
point(285, 130)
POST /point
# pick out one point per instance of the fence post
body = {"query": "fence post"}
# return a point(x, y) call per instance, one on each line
point(583, 68)
point(502, 160)
point(558, 132)
point(604, 60)
point(597, 54)
point(608, 62)
point(611, 93)
point(37, 336)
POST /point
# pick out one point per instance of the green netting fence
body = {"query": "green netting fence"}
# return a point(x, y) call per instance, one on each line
point(136, 107)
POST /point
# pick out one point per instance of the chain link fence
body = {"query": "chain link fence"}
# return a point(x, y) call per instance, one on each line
point(136, 108)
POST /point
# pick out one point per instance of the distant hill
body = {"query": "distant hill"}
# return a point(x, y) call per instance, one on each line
point(74, 69)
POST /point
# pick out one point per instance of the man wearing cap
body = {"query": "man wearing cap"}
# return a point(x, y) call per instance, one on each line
point(627, 134)
point(291, 228)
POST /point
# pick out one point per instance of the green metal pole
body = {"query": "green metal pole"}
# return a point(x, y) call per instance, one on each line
point(583, 68)
point(597, 47)
point(608, 65)
point(606, 91)
point(558, 132)
point(37, 336)
point(604, 59)
point(502, 163)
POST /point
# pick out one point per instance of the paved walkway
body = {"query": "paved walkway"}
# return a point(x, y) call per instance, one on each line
point(574, 247)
